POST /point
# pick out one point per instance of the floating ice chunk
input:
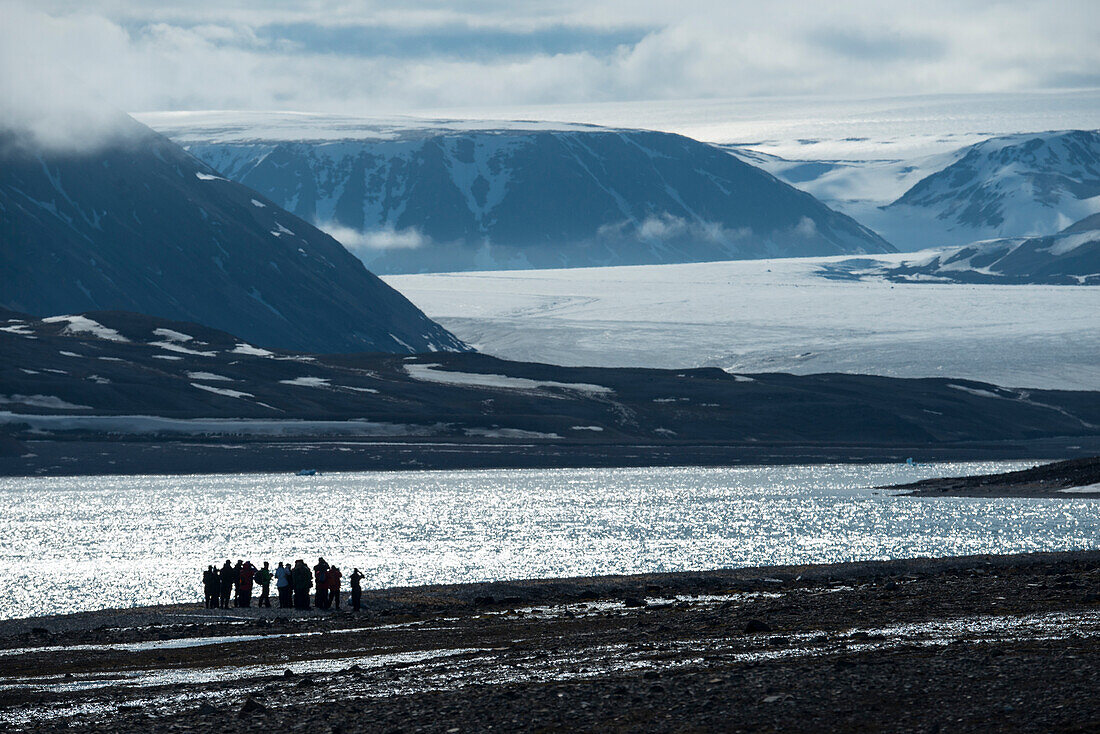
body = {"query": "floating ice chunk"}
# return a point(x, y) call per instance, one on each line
point(167, 356)
point(586, 428)
point(69, 354)
point(83, 324)
point(223, 391)
point(207, 177)
point(259, 204)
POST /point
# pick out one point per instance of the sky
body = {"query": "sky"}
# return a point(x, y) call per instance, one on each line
point(374, 57)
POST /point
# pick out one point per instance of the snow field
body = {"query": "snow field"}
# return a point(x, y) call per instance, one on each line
point(772, 316)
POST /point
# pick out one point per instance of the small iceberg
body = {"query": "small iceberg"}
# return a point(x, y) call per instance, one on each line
point(307, 472)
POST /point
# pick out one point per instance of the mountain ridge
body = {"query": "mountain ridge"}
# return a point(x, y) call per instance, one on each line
point(523, 195)
point(138, 224)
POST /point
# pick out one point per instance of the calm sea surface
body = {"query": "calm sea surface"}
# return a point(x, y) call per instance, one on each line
point(91, 542)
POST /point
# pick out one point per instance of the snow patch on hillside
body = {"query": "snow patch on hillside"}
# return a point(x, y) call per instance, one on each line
point(306, 382)
point(148, 424)
point(84, 325)
point(210, 376)
point(432, 373)
point(42, 401)
point(223, 391)
point(172, 335)
point(251, 351)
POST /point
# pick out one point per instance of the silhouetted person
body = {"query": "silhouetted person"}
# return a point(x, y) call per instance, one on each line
point(356, 579)
point(282, 585)
point(320, 573)
point(248, 574)
point(237, 582)
point(248, 579)
point(302, 580)
point(225, 579)
point(334, 575)
point(263, 579)
point(210, 587)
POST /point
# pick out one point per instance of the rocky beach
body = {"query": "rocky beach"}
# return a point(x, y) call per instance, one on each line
point(952, 644)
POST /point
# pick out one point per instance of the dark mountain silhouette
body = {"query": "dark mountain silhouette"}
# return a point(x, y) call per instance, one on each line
point(138, 224)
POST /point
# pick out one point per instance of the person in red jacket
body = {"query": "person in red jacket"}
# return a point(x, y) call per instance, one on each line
point(334, 586)
point(248, 572)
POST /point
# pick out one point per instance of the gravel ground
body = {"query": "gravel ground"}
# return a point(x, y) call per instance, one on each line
point(984, 643)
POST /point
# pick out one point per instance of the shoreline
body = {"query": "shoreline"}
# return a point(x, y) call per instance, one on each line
point(1074, 478)
point(859, 646)
point(102, 457)
point(428, 598)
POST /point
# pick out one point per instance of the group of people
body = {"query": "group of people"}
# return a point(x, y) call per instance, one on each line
point(292, 584)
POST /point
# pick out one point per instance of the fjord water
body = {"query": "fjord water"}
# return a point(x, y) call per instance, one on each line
point(78, 543)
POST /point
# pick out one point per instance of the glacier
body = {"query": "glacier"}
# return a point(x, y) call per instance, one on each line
point(772, 316)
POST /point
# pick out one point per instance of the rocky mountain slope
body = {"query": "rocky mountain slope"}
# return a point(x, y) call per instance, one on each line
point(1071, 257)
point(137, 224)
point(435, 196)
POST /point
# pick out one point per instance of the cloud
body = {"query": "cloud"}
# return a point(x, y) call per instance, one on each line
point(806, 228)
point(48, 102)
point(878, 44)
point(448, 41)
point(665, 227)
point(373, 57)
point(369, 242)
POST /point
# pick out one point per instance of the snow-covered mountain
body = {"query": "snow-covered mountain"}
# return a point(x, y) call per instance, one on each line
point(1071, 257)
point(137, 224)
point(1012, 186)
point(433, 196)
